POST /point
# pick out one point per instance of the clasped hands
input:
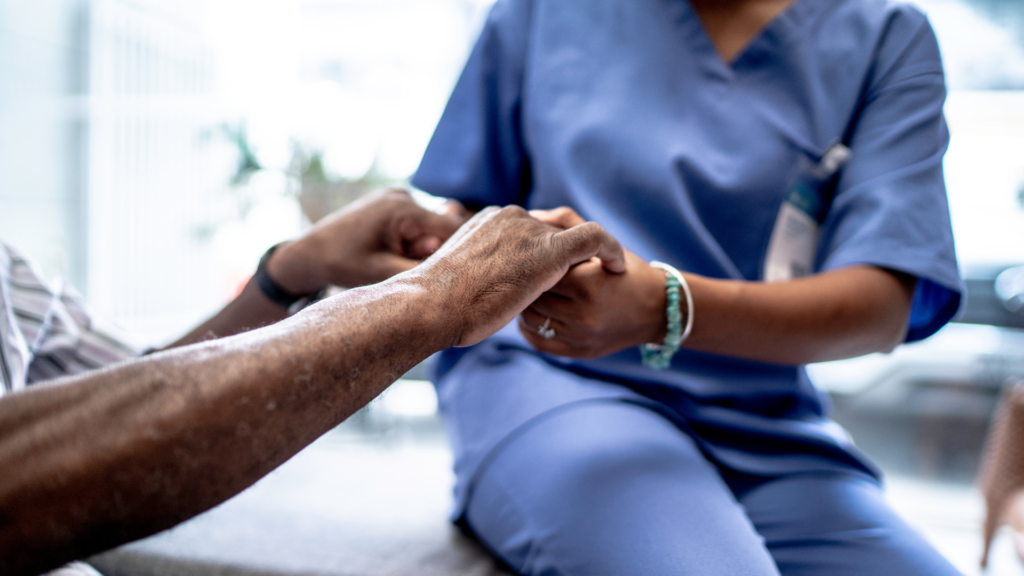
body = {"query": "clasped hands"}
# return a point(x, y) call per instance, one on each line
point(593, 311)
point(595, 308)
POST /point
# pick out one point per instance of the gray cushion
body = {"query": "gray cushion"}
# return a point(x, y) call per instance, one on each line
point(338, 508)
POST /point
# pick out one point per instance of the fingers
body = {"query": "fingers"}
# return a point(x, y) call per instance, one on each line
point(505, 260)
point(386, 265)
point(423, 247)
point(552, 346)
point(561, 344)
point(531, 321)
point(422, 232)
point(455, 209)
point(589, 239)
point(580, 280)
point(563, 217)
point(439, 225)
point(552, 305)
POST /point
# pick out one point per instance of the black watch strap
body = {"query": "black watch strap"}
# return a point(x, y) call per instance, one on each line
point(273, 290)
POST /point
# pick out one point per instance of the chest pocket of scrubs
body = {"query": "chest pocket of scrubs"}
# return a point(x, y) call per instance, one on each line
point(794, 240)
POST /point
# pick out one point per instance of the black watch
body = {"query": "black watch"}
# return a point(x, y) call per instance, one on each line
point(273, 290)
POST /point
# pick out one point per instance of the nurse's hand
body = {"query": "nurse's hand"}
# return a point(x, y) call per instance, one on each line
point(501, 261)
point(594, 312)
point(832, 315)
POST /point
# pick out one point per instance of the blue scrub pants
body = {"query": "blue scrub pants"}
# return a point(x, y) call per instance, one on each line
point(607, 487)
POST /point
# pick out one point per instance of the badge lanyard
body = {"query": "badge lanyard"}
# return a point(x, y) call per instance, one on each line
point(794, 241)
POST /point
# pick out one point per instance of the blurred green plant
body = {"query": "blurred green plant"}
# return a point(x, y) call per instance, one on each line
point(248, 164)
point(318, 193)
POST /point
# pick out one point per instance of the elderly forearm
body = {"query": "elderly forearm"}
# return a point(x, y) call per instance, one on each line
point(108, 457)
point(122, 453)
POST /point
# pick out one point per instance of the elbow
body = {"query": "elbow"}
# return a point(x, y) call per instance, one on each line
point(894, 315)
point(891, 327)
point(881, 336)
point(892, 337)
point(881, 330)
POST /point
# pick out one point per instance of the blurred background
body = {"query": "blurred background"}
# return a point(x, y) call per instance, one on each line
point(151, 150)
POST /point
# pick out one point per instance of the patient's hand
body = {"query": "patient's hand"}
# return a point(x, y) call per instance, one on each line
point(364, 243)
point(594, 312)
point(500, 261)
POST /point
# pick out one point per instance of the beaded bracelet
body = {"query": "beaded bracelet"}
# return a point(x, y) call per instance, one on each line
point(659, 356)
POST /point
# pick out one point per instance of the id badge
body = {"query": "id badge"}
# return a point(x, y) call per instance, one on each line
point(794, 241)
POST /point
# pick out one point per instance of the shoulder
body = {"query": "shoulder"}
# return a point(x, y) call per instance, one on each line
point(881, 28)
point(879, 42)
point(506, 29)
point(510, 13)
point(875, 16)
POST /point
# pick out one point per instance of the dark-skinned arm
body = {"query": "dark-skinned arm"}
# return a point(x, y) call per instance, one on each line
point(366, 242)
point(108, 457)
point(837, 314)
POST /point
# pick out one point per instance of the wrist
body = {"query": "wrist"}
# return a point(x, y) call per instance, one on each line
point(462, 306)
point(292, 267)
point(679, 299)
point(655, 302)
point(436, 316)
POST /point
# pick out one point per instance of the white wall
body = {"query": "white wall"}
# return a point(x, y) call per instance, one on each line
point(149, 116)
point(39, 194)
point(106, 112)
point(111, 172)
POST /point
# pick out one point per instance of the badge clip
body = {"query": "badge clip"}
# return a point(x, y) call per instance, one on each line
point(794, 240)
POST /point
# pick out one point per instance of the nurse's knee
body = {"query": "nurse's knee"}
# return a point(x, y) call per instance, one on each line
point(596, 447)
point(611, 488)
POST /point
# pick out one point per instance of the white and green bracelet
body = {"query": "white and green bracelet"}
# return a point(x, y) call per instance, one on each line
point(659, 356)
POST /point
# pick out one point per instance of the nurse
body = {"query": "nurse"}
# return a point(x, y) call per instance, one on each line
point(783, 159)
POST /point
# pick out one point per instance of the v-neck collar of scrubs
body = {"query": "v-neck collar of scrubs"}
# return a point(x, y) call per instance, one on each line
point(781, 29)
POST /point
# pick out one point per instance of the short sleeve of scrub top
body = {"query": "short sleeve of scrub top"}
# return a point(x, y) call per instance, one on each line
point(624, 111)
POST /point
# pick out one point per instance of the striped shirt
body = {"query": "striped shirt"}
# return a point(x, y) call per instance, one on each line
point(47, 331)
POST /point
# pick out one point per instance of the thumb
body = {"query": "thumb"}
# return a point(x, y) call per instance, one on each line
point(424, 232)
point(563, 217)
point(386, 265)
point(424, 246)
point(589, 239)
point(454, 209)
point(440, 225)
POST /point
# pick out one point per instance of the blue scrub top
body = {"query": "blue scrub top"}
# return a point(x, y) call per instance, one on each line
point(625, 111)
